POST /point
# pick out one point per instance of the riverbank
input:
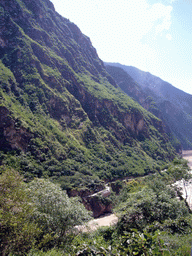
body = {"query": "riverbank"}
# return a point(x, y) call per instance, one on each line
point(187, 154)
point(106, 220)
point(187, 186)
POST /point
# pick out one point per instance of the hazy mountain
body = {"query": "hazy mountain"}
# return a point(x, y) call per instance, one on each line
point(170, 104)
point(61, 114)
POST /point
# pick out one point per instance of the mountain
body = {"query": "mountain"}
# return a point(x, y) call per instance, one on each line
point(135, 91)
point(61, 114)
point(170, 104)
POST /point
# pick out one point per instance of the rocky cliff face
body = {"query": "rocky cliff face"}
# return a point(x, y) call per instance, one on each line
point(13, 136)
point(99, 203)
point(99, 206)
point(62, 115)
point(133, 89)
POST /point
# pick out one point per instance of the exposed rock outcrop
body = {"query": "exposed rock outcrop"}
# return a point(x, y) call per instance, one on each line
point(98, 203)
point(12, 134)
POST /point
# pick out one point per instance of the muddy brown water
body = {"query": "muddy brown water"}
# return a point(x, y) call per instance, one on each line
point(187, 154)
point(107, 220)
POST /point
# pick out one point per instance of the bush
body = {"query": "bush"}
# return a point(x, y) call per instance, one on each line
point(18, 233)
point(56, 213)
point(154, 204)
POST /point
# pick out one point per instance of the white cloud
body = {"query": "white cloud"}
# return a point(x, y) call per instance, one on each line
point(169, 37)
point(164, 14)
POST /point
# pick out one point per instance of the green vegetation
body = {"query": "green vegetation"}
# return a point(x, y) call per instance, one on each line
point(66, 128)
point(70, 121)
point(37, 215)
point(152, 220)
point(55, 212)
point(58, 148)
point(38, 218)
point(17, 232)
point(160, 98)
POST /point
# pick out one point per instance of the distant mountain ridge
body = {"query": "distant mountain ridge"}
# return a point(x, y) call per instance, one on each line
point(174, 106)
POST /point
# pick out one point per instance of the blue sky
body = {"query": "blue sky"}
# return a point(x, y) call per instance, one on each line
point(152, 35)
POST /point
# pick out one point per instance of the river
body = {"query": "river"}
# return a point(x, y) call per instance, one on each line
point(187, 154)
point(106, 220)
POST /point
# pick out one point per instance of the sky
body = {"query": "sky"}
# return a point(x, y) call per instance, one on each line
point(152, 35)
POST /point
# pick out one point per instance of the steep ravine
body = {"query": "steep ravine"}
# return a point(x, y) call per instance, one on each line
point(187, 154)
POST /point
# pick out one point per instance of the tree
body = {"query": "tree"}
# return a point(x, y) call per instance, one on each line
point(56, 213)
point(17, 232)
point(179, 170)
point(152, 205)
point(180, 176)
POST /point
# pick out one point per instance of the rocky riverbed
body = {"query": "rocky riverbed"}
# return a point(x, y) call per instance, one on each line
point(187, 188)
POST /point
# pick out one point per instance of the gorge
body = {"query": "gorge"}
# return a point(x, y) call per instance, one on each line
point(80, 138)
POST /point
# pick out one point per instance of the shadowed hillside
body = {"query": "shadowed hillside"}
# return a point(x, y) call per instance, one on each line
point(170, 104)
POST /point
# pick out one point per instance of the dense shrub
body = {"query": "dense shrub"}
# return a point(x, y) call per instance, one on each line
point(55, 213)
point(18, 233)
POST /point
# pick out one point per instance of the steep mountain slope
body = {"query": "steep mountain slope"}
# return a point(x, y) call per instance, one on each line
point(61, 114)
point(133, 89)
point(172, 105)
